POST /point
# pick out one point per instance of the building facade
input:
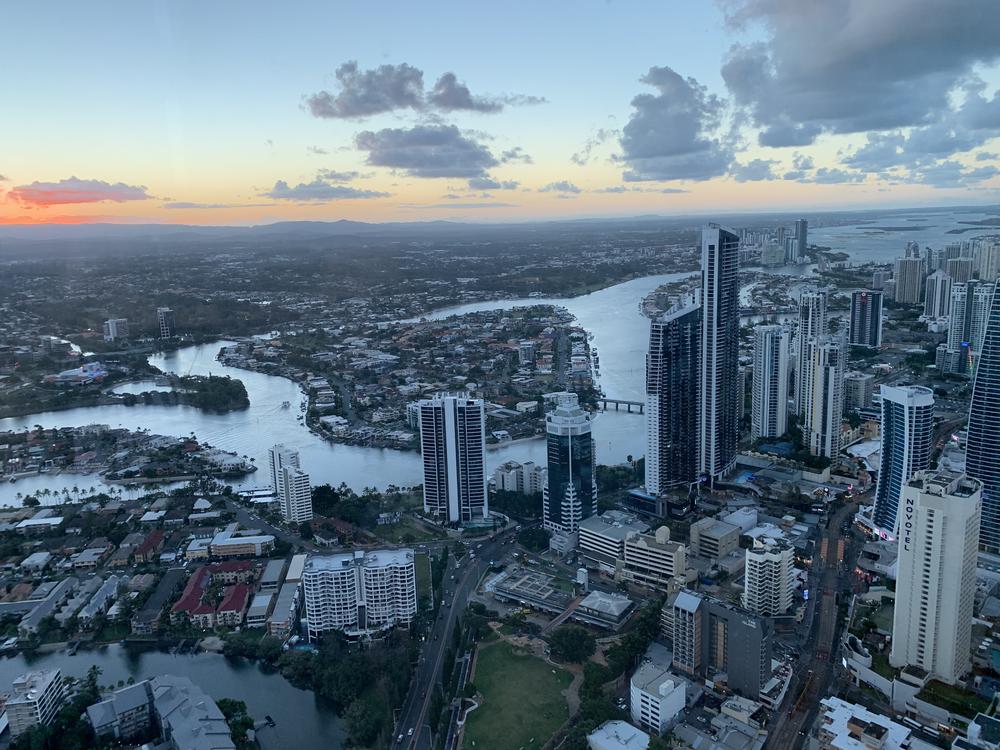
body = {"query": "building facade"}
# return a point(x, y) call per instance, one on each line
point(983, 447)
point(822, 423)
point(359, 593)
point(936, 574)
point(909, 276)
point(866, 318)
point(570, 491)
point(769, 579)
point(652, 560)
point(165, 322)
point(672, 404)
point(296, 495)
point(453, 451)
point(35, 699)
point(812, 325)
point(720, 403)
point(769, 400)
point(115, 329)
point(970, 309)
point(859, 388)
point(937, 296)
point(906, 443)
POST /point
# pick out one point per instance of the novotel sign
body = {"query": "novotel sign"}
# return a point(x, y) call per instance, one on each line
point(907, 522)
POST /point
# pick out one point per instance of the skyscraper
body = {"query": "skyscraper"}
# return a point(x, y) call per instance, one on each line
point(822, 423)
point(970, 308)
point(859, 387)
point(937, 295)
point(982, 459)
point(453, 448)
point(866, 318)
point(291, 485)
point(960, 269)
point(907, 439)
point(570, 491)
point(987, 261)
point(165, 321)
point(812, 323)
point(769, 579)
point(909, 275)
point(936, 576)
point(769, 402)
point(115, 328)
point(719, 400)
point(672, 404)
point(801, 238)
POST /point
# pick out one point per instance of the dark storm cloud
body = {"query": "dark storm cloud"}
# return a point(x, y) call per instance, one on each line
point(844, 66)
point(390, 88)
point(671, 134)
point(426, 151)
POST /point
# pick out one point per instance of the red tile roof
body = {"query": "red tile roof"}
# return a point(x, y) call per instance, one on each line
point(235, 598)
point(190, 600)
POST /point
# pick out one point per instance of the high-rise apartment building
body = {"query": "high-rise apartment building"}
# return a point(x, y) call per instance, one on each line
point(880, 278)
point(812, 324)
point(936, 575)
point(115, 329)
point(866, 318)
point(453, 450)
point(360, 592)
point(909, 275)
point(291, 484)
point(960, 269)
point(709, 637)
point(278, 457)
point(970, 307)
point(937, 296)
point(987, 261)
point(35, 699)
point(982, 459)
point(769, 400)
point(906, 443)
point(720, 403)
point(801, 238)
point(570, 491)
point(859, 388)
point(822, 423)
point(165, 322)
point(672, 403)
point(769, 579)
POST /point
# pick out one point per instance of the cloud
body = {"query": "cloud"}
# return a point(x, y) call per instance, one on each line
point(952, 174)
point(488, 183)
point(614, 189)
point(3, 178)
point(318, 191)
point(389, 88)
point(844, 66)
point(756, 170)
point(332, 175)
point(562, 186)
point(669, 135)
point(800, 165)
point(191, 205)
point(626, 189)
point(459, 205)
point(515, 155)
point(987, 156)
point(316, 150)
point(582, 156)
point(832, 175)
point(75, 190)
point(426, 151)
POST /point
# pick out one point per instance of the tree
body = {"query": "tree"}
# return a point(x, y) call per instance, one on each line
point(30, 502)
point(306, 530)
point(572, 643)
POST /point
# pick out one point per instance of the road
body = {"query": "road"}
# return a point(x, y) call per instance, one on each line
point(811, 684)
point(413, 715)
point(248, 520)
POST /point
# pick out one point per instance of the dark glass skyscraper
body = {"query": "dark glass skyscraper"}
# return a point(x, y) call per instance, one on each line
point(672, 398)
point(570, 492)
point(720, 400)
point(866, 318)
point(983, 453)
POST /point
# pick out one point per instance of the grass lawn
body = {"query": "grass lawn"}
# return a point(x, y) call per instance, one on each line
point(407, 531)
point(523, 704)
point(883, 617)
point(953, 698)
point(422, 572)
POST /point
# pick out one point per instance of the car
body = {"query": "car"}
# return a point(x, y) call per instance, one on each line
point(410, 732)
point(400, 738)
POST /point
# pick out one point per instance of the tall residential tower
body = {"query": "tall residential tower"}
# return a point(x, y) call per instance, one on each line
point(453, 450)
point(570, 491)
point(769, 403)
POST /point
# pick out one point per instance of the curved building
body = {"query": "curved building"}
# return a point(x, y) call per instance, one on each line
point(570, 491)
point(983, 451)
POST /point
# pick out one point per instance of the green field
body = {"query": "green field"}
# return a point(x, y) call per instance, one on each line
point(523, 703)
point(408, 531)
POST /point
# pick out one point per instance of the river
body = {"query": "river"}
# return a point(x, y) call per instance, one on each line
point(303, 721)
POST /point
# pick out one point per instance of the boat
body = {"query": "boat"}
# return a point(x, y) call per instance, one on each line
point(285, 404)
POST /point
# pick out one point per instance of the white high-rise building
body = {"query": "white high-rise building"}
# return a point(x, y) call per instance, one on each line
point(988, 261)
point(296, 495)
point(278, 457)
point(936, 576)
point(360, 592)
point(720, 406)
point(769, 579)
point(909, 275)
point(822, 423)
point(453, 450)
point(970, 307)
point(937, 296)
point(115, 328)
point(859, 388)
point(812, 324)
point(35, 700)
point(907, 440)
point(570, 491)
point(769, 402)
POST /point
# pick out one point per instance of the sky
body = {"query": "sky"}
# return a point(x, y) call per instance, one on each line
point(252, 112)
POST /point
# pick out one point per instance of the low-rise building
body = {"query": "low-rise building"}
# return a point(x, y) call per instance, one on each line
point(617, 735)
point(230, 543)
point(260, 610)
point(653, 560)
point(147, 620)
point(234, 604)
point(125, 714)
point(657, 696)
point(605, 610)
point(602, 538)
point(285, 614)
point(713, 539)
point(842, 726)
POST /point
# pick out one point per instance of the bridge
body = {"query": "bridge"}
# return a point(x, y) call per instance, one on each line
point(619, 402)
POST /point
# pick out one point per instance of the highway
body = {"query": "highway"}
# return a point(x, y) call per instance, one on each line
point(414, 713)
point(815, 670)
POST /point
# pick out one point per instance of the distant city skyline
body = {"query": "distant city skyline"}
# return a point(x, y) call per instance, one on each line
point(250, 114)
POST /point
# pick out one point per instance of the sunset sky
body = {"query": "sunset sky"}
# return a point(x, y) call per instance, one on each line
point(252, 112)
